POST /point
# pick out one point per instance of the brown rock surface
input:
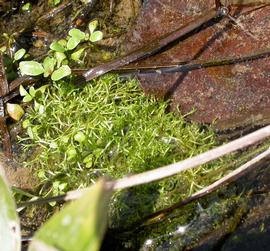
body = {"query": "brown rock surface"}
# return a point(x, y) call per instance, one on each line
point(232, 95)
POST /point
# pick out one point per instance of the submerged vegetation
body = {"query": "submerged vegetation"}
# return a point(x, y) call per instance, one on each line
point(108, 127)
point(73, 135)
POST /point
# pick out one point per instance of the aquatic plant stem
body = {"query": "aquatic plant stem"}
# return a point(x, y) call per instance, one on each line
point(169, 170)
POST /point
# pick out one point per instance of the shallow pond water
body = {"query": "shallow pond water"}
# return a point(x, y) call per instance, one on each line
point(234, 218)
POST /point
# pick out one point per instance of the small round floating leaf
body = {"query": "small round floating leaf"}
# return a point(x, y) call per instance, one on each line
point(31, 68)
point(92, 26)
point(19, 54)
point(96, 36)
point(55, 46)
point(15, 111)
point(73, 43)
point(60, 73)
point(77, 34)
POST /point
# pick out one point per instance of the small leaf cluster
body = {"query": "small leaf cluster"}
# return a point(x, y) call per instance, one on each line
point(61, 52)
point(33, 94)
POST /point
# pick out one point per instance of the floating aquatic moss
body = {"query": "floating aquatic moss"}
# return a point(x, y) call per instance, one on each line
point(108, 127)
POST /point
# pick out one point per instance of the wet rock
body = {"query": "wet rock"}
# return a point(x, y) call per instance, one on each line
point(231, 95)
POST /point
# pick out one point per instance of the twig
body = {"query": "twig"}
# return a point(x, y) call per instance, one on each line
point(169, 170)
point(4, 90)
point(155, 46)
point(234, 175)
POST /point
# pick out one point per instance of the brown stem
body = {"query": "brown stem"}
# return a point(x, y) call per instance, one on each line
point(4, 90)
point(153, 47)
point(231, 177)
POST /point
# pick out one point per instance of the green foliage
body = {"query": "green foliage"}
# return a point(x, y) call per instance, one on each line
point(56, 46)
point(109, 127)
point(49, 64)
point(62, 51)
point(60, 73)
point(26, 7)
point(32, 93)
point(31, 68)
point(78, 226)
point(54, 2)
point(10, 238)
point(19, 54)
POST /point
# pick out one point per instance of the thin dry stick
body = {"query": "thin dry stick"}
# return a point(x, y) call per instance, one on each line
point(169, 170)
point(234, 175)
point(155, 46)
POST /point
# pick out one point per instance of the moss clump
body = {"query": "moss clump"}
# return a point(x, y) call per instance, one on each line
point(108, 127)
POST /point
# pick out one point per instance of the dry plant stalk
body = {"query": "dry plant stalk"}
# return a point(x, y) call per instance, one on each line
point(226, 180)
point(173, 169)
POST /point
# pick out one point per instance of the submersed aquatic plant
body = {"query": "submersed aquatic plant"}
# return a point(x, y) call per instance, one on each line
point(108, 127)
